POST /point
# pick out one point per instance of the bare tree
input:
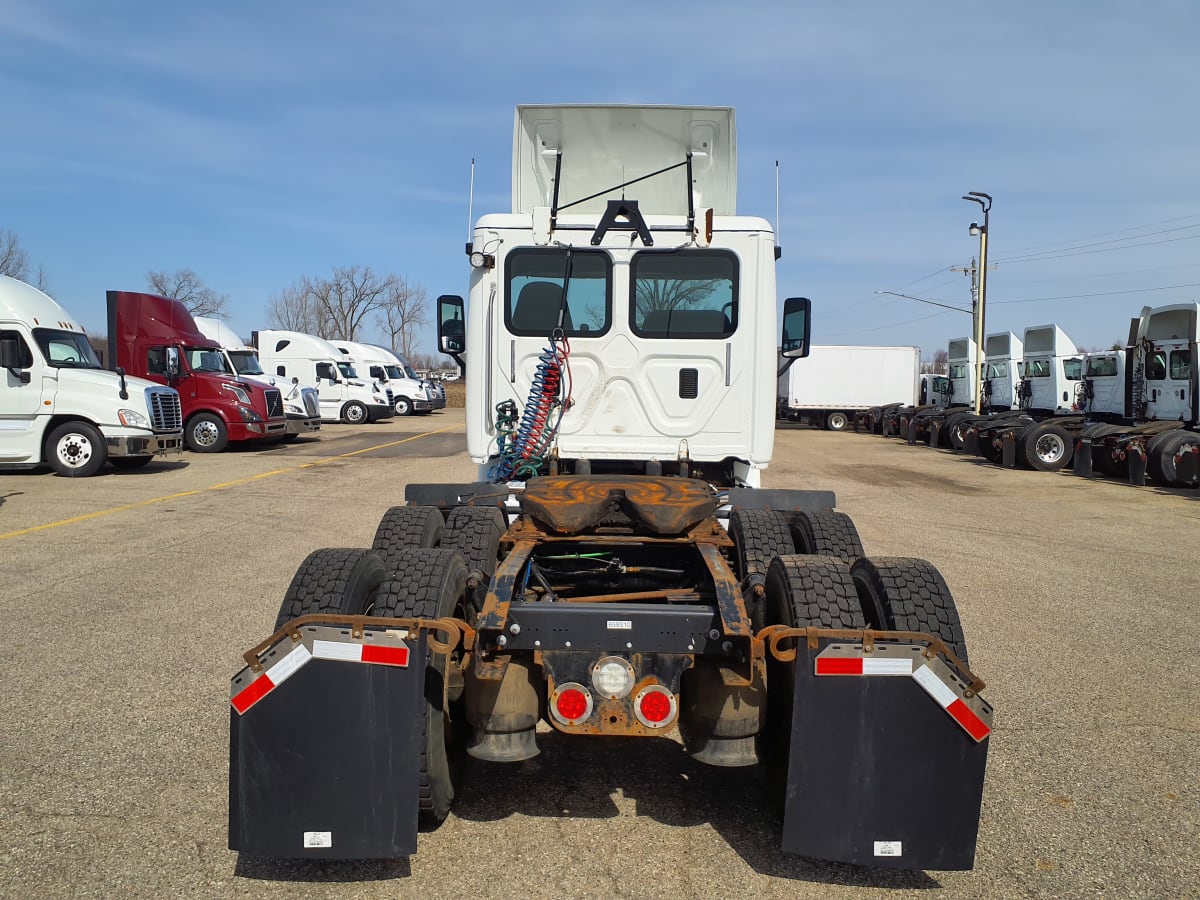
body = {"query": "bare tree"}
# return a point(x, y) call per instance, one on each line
point(295, 309)
point(941, 362)
point(14, 261)
point(187, 287)
point(405, 308)
point(671, 293)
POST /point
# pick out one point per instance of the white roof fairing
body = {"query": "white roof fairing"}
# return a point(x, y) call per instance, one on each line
point(604, 146)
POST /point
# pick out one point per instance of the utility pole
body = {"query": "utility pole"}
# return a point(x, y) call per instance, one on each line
point(979, 280)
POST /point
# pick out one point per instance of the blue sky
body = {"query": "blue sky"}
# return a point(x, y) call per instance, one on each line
point(257, 142)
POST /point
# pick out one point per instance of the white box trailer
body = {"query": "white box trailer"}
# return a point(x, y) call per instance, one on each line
point(835, 383)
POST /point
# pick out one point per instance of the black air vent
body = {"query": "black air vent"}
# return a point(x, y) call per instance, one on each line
point(689, 384)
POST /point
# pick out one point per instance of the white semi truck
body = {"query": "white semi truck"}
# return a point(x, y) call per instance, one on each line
point(409, 394)
point(301, 403)
point(343, 395)
point(834, 385)
point(616, 569)
point(59, 406)
point(434, 387)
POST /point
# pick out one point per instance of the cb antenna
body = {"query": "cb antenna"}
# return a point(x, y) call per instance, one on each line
point(470, 208)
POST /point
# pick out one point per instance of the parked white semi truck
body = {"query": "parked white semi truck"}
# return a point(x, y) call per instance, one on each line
point(616, 569)
point(834, 385)
point(437, 393)
point(343, 395)
point(301, 403)
point(409, 395)
point(59, 406)
point(927, 423)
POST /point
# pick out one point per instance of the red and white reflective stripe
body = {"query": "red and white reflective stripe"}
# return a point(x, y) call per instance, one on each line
point(922, 674)
point(844, 665)
point(268, 681)
point(368, 653)
point(950, 702)
point(341, 651)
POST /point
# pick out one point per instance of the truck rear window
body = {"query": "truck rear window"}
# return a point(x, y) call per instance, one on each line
point(684, 294)
point(535, 292)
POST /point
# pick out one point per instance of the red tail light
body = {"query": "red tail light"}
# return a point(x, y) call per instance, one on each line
point(655, 706)
point(571, 703)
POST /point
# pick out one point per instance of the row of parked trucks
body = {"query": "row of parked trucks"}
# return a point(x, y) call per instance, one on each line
point(1128, 412)
point(177, 381)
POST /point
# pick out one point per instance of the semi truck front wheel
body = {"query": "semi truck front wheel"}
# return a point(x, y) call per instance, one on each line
point(76, 449)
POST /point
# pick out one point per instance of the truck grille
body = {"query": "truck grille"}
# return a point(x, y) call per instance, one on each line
point(166, 412)
point(312, 404)
point(274, 403)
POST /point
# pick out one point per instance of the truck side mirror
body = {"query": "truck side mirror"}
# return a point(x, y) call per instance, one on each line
point(11, 359)
point(796, 327)
point(451, 330)
point(172, 362)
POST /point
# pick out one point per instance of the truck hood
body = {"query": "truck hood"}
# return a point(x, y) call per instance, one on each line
point(102, 380)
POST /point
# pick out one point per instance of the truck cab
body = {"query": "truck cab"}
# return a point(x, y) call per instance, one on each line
point(1003, 361)
point(935, 391)
point(1103, 386)
point(59, 406)
point(1165, 355)
point(409, 395)
point(300, 403)
point(1052, 370)
point(433, 386)
point(157, 339)
point(344, 395)
point(962, 356)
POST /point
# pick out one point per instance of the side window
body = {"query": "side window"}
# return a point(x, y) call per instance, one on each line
point(326, 370)
point(26, 356)
point(156, 361)
point(1156, 366)
point(1181, 364)
point(1073, 368)
point(684, 294)
point(535, 301)
point(281, 370)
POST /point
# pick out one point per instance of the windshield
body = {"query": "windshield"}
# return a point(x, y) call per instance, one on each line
point(206, 359)
point(394, 371)
point(66, 349)
point(245, 361)
point(411, 373)
point(347, 370)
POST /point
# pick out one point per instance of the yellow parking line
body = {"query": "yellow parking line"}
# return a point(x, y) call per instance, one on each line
point(222, 486)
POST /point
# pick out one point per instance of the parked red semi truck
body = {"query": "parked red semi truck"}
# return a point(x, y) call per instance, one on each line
point(156, 338)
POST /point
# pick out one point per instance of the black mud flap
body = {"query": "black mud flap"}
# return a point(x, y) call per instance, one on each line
point(887, 759)
point(325, 747)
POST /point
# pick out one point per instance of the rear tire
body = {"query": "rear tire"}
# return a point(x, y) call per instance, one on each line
point(802, 592)
point(837, 421)
point(475, 532)
point(1170, 446)
point(405, 527)
point(899, 594)
point(431, 584)
point(332, 581)
point(76, 449)
point(759, 535)
point(826, 533)
point(1047, 447)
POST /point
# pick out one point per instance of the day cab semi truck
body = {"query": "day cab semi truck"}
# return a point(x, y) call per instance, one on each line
point(344, 394)
point(409, 395)
point(59, 406)
point(300, 403)
point(834, 385)
point(156, 338)
point(616, 568)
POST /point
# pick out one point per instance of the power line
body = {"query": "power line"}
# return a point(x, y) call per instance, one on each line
point(1087, 237)
point(892, 325)
point(1169, 287)
point(924, 300)
point(1058, 254)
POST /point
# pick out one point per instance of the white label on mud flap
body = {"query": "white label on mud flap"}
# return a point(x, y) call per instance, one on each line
point(620, 625)
point(889, 848)
point(315, 839)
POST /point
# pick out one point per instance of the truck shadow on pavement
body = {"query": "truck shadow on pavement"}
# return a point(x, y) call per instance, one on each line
point(315, 870)
point(577, 778)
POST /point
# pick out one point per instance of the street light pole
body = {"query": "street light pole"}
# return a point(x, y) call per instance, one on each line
point(985, 203)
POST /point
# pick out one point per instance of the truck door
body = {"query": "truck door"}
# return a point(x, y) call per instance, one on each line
point(20, 401)
point(1169, 381)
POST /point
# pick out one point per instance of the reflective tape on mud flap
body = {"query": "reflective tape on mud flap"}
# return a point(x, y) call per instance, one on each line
point(933, 675)
point(344, 648)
